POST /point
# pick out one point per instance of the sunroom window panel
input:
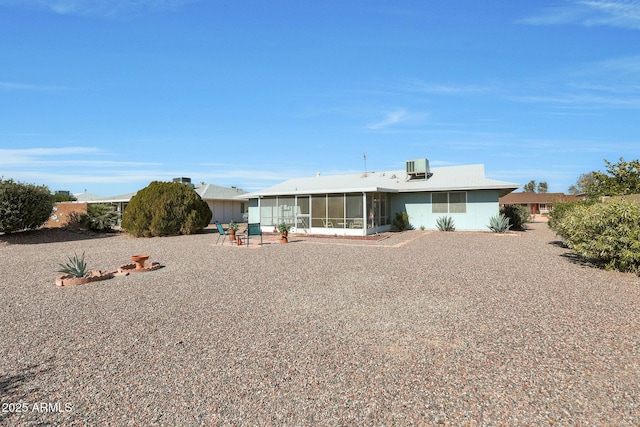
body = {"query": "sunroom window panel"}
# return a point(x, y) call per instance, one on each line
point(268, 211)
point(384, 211)
point(354, 211)
point(336, 211)
point(318, 210)
point(286, 211)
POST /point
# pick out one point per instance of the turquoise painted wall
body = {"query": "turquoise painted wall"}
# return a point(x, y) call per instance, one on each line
point(481, 205)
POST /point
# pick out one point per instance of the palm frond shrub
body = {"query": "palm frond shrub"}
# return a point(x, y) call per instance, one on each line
point(99, 217)
point(445, 223)
point(75, 267)
point(401, 221)
point(499, 224)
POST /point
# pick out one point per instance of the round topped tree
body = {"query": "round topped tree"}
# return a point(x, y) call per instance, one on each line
point(165, 209)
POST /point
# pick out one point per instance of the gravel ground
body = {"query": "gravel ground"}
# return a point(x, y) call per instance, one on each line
point(419, 328)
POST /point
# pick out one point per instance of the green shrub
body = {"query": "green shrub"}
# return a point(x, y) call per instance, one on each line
point(499, 224)
point(606, 234)
point(401, 221)
point(445, 223)
point(517, 215)
point(282, 227)
point(99, 217)
point(165, 209)
point(560, 210)
point(23, 206)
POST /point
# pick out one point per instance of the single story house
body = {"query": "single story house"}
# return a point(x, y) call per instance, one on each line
point(226, 203)
point(537, 203)
point(366, 203)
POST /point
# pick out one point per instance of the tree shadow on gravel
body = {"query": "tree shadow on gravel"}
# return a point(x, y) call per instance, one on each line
point(558, 243)
point(52, 235)
point(572, 257)
point(576, 259)
point(14, 387)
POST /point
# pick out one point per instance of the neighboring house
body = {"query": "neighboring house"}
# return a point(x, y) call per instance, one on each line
point(226, 203)
point(537, 203)
point(120, 202)
point(366, 203)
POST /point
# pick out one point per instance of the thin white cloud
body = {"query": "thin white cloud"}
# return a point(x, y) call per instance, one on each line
point(395, 118)
point(613, 83)
point(26, 156)
point(624, 66)
point(112, 177)
point(446, 89)
point(614, 13)
point(581, 101)
point(390, 119)
point(49, 151)
point(102, 8)
point(7, 86)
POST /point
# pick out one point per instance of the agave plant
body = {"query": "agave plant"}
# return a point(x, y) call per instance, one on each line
point(75, 267)
point(499, 224)
point(445, 223)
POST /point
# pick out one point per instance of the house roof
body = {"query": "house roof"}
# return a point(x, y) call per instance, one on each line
point(450, 178)
point(528, 197)
point(215, 192)
point(206, 192)
point(87, 197)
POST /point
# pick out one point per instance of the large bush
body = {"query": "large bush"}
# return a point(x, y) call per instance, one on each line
point(23, 206)
point(517, 215)
point(165, 209)
point(560, 210)
point(605, 233)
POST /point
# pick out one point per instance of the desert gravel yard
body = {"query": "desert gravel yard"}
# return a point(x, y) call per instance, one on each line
point(419, 328)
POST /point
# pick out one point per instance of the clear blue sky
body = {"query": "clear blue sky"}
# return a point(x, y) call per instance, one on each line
point(108, 95)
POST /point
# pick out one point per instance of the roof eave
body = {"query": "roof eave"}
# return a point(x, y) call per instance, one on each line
point(260, 194)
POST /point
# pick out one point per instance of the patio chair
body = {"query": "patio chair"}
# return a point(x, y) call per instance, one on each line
point(327, 224)
point(357, 223)
point(221, 233)
point(253, 230)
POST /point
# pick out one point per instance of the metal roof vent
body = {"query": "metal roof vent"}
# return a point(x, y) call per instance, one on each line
point(418, 169)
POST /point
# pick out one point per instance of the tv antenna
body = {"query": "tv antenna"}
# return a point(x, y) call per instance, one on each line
point(364, 156)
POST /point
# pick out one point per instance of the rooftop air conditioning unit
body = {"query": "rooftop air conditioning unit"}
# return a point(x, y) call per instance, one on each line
point(418, 168)
point(183, 180)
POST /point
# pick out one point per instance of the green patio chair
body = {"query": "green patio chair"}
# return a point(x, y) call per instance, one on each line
point(253, 229)
point(221, 233)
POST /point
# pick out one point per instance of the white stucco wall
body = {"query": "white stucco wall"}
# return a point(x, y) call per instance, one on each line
point(225, 211)
point(481, 205)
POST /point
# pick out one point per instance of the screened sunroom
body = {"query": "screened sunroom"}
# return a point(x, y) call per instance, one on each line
point(354, 214)
point(359, 204)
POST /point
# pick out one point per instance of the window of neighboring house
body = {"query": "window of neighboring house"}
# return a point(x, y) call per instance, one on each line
point(454, 202)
